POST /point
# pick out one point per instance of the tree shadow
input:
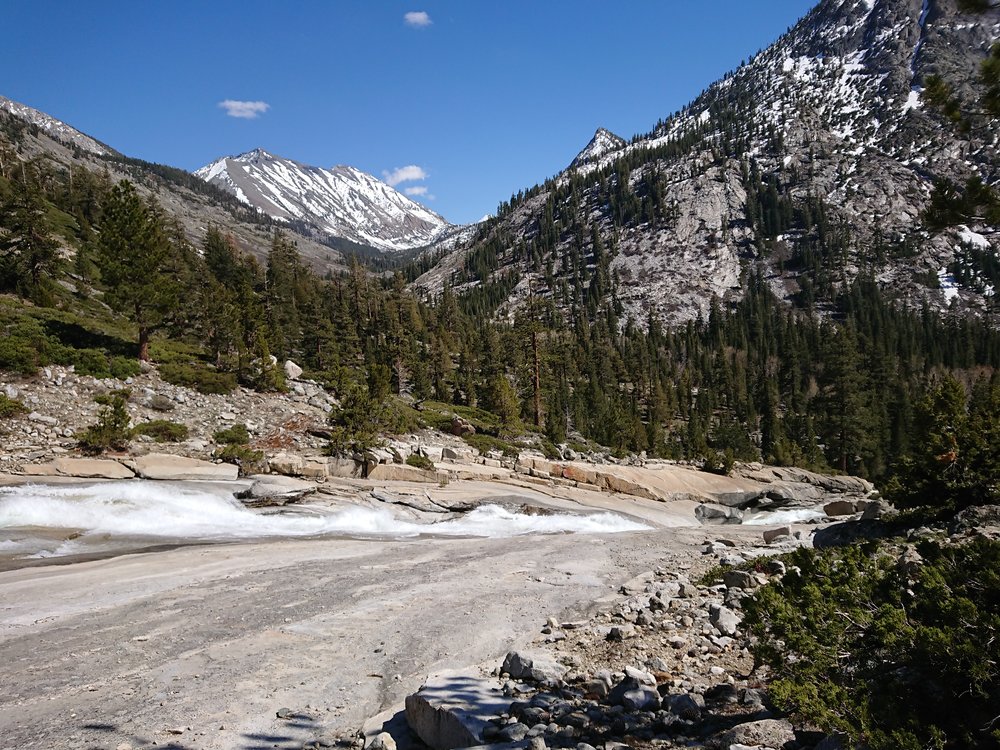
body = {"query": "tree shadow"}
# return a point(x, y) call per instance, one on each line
point(81, 337)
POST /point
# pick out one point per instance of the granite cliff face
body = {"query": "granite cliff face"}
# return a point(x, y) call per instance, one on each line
point(811, 164)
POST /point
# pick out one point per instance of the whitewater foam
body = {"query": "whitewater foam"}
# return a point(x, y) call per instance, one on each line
point(158, 511)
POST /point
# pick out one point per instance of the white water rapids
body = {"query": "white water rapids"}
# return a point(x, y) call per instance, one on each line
point(52, 521)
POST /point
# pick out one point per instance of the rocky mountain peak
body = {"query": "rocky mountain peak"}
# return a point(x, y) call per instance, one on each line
point(340, 203)
point(56, 129)
point(827, 127)
point(603, 142)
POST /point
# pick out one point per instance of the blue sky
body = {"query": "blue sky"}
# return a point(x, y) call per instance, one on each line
point(485, 98)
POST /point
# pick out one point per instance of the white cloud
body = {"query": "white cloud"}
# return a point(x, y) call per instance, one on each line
point(410, 173)
point(418, 19)
point(244, 110)
point(416, 190)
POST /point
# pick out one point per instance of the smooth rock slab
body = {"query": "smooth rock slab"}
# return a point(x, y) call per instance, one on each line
point(180, 468)
point(92, 468)
point(451, 709)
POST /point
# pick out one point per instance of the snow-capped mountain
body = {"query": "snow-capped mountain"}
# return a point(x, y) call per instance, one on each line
point(811, 164)
point(604, 142)
point(56, 129)
point(341, 202)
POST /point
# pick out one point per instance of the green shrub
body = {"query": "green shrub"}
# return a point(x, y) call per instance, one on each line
point(162, 431)
point(248, 460)
point(486, 443)
point(894, 655)
point(124, 367)
point(18, 355)
point(10, 407)
point(420, 462)
point(111, 431)
point(198, 377)
point(550, 451)
point(235, 435)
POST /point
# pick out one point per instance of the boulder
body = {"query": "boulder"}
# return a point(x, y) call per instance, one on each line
point(452, 709)
point(285, 463)
point(275, 489)
point(92, 468)
point(839, 508)
point(433, 452)
point(180, 468)
point(710, 513)
point(344, 467)
point(781, 532)
point(292, 370)
point(723, 619)
point(685, 706)
point(774, 733)
point(535, 667)
point(461, 427)
point(633, 695)
point(739, 579)
point(314, 468)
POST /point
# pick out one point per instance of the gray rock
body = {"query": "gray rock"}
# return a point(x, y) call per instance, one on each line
point(709, 513)
point(739, 579)
point(723, 619)
point(382, 741)
point(536, 667)
point(158, 402)
point(42, 419)
point(634, 696)
point(452, 709)
point(774, 733)
point(686, 706)
point(772, 535)
point(839, 508)
point(292, 370)
point(513, 732)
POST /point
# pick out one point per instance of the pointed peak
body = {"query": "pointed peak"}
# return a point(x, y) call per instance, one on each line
point(254, 155)
point(603, 142)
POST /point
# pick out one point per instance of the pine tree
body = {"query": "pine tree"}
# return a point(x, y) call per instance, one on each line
point(135, 259)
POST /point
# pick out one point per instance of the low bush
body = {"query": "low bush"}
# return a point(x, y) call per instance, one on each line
point(486, 443)
point(248, 460)
point(198, 377)
point(895, 652)
point(420, 462)
point(162, 431)
point(11, 407)
point(235, 435)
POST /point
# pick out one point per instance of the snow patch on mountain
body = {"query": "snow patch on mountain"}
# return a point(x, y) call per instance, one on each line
point(57, 129)
point(604, 142)
point(341, 202)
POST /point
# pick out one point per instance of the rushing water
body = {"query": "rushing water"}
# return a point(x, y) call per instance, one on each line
point(39, 521)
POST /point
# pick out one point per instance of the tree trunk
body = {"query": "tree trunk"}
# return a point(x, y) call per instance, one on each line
point(538, 388)
point(143, 344)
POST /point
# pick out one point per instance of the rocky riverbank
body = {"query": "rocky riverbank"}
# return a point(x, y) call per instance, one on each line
point(633, 644)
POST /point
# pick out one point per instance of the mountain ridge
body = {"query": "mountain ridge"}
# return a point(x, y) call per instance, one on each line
point(340, 202)
point(827, 127)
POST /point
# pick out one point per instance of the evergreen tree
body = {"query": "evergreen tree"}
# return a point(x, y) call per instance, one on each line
point(135, 259)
